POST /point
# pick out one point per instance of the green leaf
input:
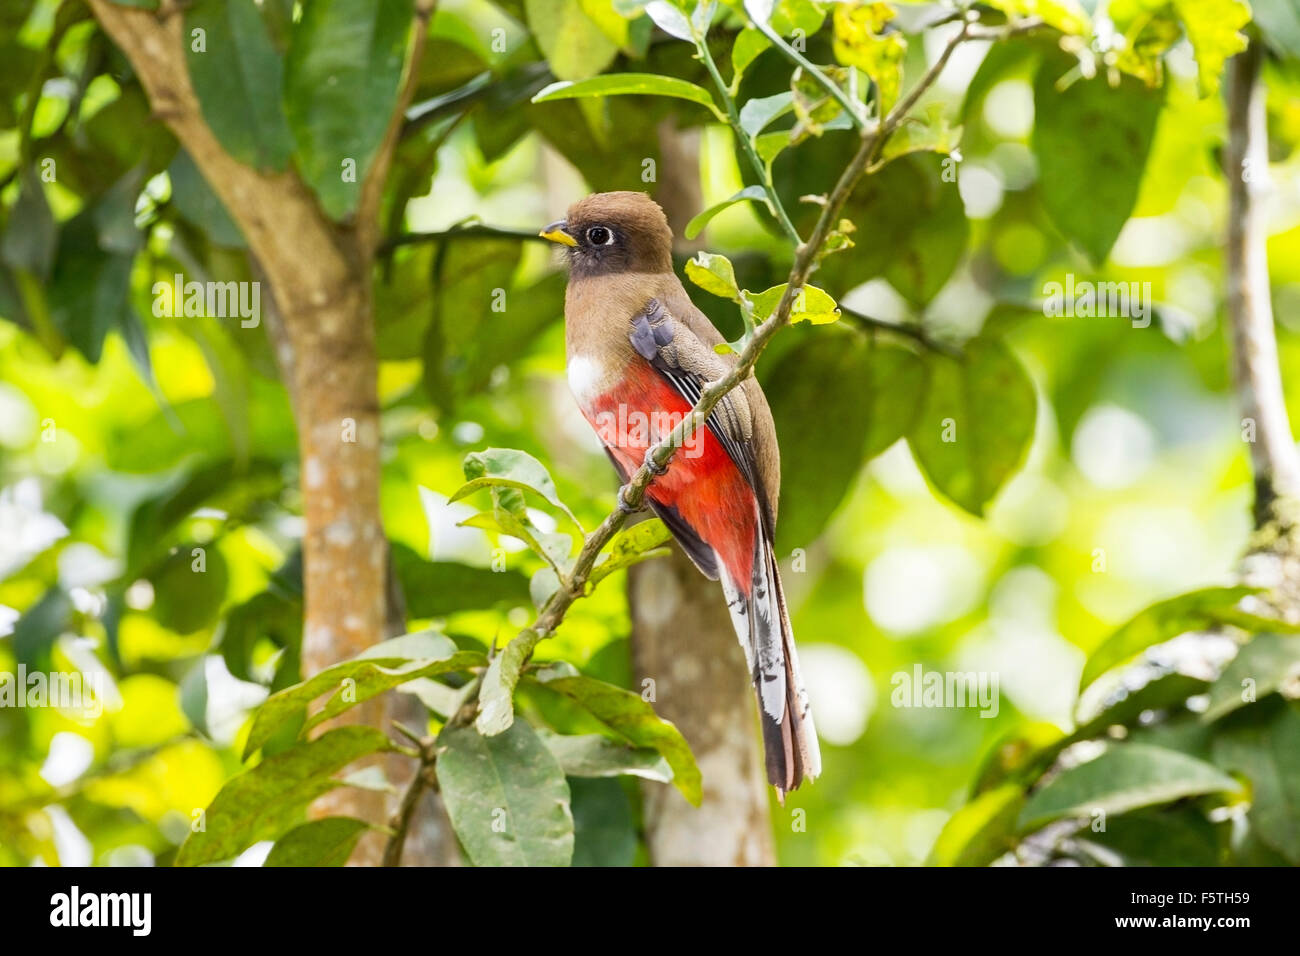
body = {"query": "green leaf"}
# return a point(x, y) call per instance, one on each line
point(812, 305)
point(769, 145)
point(1086, 127)
point(873, 392)
point(861, 41)
point(592, 755)
point(31, 234)
point(574, 45)
point(236, 73)
point(749, 45)
point(982, 830)
point(373, 681)
point(1018, 755)
point(259, 804)
point(627, 714)
point(497, 692)
point(931, 133)
point(506, 796)
point(379, 668)
point(1213, 28)
point(1068, 16)
point(271, 615)
point(1164, 620)
point(91, 279)
point(441, 699)
point(551, 547)
point(714, 273)
point(696, 225)
point(976, 424)
point(1169, 836)
point(326, 842)
point(605, 832)
point(1164, 693)
point(195, 200)
point(1124, 777)
point(628, 84)
point(194, 695)
point(815, 110)
point(185, 597)
point(479, 318)
point(627, 30)
point(509, 468)
point(542, 585)
point(341, 78)
point(1263, 742)
point(1261, 667)
point(758, 113)
point(1279, 26)
point(918, 226)
point(759, 11)
point(643, 540)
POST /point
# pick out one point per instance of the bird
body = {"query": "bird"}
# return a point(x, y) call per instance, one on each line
point(638, 353)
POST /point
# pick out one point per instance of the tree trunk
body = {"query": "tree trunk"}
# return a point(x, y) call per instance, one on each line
point(1273, 560)
point(319, 277)
point(1250, 312)
point(683, 641)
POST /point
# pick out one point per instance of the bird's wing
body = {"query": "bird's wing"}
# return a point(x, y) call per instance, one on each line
point(688, 364)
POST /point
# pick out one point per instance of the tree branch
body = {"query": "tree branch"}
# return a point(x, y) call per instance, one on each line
point(913, 331)
point(372, 189)
point(421, 780)
point(468, 231)
point(1250, 313)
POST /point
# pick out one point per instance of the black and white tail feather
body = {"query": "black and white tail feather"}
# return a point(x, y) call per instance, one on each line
point(762, 624)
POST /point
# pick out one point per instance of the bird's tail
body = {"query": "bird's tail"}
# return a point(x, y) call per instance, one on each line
point(762, 623)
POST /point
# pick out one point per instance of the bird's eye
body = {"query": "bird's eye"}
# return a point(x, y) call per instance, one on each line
point(599, 236)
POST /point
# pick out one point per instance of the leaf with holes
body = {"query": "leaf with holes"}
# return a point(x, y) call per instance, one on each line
point(261, 803)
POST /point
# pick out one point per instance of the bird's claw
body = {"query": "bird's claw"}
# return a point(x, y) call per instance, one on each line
point(655, 468)
point(623, 505)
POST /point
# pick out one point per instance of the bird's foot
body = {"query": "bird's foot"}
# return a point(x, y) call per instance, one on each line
point(623, 504)
point(649, 462)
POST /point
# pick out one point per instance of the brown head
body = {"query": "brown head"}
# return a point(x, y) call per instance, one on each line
point(610, 233)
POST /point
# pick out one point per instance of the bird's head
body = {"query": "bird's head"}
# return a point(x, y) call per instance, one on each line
point(611, 233)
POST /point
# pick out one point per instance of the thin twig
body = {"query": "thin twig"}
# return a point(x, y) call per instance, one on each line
point(746, 145)
point(468, 231)
point(914, 332)
point(372, 188)
point(422, 779)
point(851, 106)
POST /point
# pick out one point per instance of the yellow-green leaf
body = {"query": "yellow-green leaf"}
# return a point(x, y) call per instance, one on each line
point(861, 41)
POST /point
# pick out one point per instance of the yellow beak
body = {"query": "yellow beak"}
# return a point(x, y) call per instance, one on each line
point(555, 232)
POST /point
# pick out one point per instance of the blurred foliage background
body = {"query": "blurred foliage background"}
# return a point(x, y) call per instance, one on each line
point(128, 440)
